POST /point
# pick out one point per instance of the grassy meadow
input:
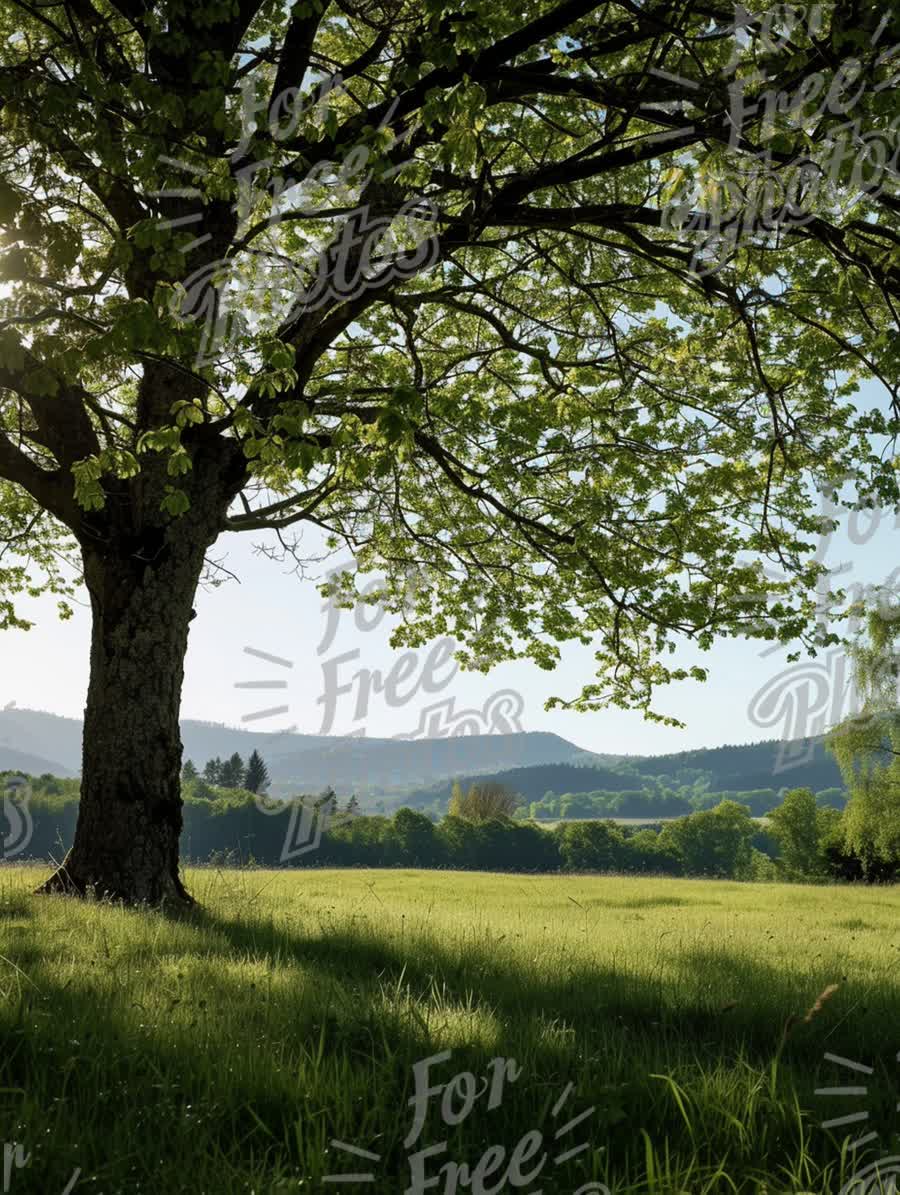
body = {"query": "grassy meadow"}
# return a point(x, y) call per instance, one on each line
point(225, 1048)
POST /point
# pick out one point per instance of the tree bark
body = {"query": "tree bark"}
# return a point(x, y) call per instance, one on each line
point(129, 819)
point(142, 587)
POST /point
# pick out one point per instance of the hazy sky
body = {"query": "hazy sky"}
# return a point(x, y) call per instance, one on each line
point(277, 613)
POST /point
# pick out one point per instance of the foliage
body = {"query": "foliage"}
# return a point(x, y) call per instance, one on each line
point(416, 838)
point(37, 555)
point(867, 745)
point(655, 785)
point(799, 827)
point(199, 789)
point(653, 801)
point(713, 842)
point(256, 777)
point(569, 431)
point(212, 771)
point(591, 846)
point(234, 825)
point(231, 774)
point(482, 802)
point(327, 803)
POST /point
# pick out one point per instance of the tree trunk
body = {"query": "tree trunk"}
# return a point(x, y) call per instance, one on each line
point(142, 585)
point(129, 819)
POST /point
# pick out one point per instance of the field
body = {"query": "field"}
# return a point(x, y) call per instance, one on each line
point(224, 1049)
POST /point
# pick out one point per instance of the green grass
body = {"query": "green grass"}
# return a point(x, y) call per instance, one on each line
point(223, 1049)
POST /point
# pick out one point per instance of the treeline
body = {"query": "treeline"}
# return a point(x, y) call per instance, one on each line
point(662, 802)
point(802, 841)
point(736, 766)
point(551, 791)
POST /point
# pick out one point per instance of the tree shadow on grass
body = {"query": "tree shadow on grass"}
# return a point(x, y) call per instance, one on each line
point(249, 1046)
point(761, 998)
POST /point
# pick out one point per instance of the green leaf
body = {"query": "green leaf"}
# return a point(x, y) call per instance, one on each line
point(175, 502)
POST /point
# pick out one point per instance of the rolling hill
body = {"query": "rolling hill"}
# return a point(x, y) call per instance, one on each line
point(298, 762)
point(731, 769)
point(421, 770)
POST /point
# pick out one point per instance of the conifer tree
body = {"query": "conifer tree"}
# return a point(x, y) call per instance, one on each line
point(256, 777)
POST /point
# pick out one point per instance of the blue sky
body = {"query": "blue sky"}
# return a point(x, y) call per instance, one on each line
point(277, 613)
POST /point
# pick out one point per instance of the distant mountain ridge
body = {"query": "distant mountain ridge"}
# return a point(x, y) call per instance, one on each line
point(34, 742)
point(297, 762)
point(774, 763)
point(31, 765)
point(423, 769)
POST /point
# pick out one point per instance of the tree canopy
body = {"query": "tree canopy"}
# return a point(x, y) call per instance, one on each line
point(483, 801)
point(520, 383)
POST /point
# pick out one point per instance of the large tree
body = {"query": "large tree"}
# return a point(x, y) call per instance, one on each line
point(423, 276)
point(866, 744)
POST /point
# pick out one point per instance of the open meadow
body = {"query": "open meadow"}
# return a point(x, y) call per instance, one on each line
point(225, 1048)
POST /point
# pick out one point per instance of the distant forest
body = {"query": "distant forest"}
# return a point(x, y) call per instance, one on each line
point(755, 775)
point(802, 839)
